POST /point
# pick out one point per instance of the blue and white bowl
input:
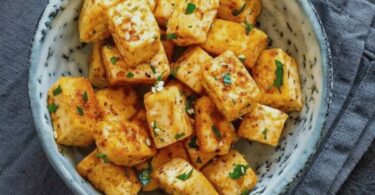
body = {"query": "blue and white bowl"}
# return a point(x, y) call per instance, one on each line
point(291, 25)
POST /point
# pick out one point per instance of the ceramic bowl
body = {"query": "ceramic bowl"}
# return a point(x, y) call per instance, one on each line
point(291, 25)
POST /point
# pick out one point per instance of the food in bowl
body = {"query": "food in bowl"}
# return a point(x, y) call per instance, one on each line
point(162, 120)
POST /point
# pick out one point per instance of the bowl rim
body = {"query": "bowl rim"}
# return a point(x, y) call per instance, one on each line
point(295, 174)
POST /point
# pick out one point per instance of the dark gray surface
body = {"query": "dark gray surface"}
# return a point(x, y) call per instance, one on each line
point(24, 168)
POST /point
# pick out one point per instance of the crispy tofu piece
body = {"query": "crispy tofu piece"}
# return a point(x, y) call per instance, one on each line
point(163, 156)
point(197, 157)
point(231, 174)
point(230, 86)
point(179, 177)
point(226, 35)
point(124, 143)
point(289, 97)
point(168, 45)
point(187, 69)
point(135, 31)
point(74, 111)
point(97, 75)
point(119, 73)
point(166, 116)
point(240, 10)
point(107, 177)
point(214, 131)
point(264, 124)
point(191, 28)
point(163, 11)
point(117, 103)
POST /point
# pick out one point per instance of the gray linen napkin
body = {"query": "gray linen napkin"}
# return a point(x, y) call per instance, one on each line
point(24, 168)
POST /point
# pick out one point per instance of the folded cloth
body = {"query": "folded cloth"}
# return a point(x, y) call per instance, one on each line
point(24, 168)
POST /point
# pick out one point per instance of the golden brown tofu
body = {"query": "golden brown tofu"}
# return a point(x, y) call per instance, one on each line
point(230, 174)
point(119, 73)
point(240, 10)
point(179, 177)
point(230, 86)
point(163, 156)
point(264, 124)
point(74, 111)
point(214, 131)
point(187, 69)
point(197, 157)
point(135, 31)
point(97, 75)
point(191, 20)
point(168, 45)
point(277, 76)
point(117, 103)
point(246, 44)
point(163, 10)
point(166, 116)
point(107, 177)
point(124, 143)
point(140, 118)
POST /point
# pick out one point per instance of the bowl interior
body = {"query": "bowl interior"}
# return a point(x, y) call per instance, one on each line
point(291, 25)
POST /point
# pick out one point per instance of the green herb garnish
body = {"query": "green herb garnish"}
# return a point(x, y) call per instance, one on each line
point(248, 27)
point(171, 36)
point(52, 108)
point(80, 110)
point(264, 132)
point(227, 79)
point(238, 171)
point(237, 12)
point(245, 192)
point(179, 135)
point(153, 69)
point(85, 97)
point(102, 157)
point(190, 8)
point(114, 60)
point(185, 176)
point(216, 132)
point(155, 128)
point(144, 175)
point(130, 75)
point(193, 142)
point(57, 91)
point(279, 73)
point(189, 103)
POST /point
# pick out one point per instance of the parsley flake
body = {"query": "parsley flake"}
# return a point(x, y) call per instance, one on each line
point(238, 171)
point(245, 192)
point(103, 157)
point(153, 69)
point(185, 176)
point(80, 110)
point(237, 12)
point(170, 36)
point(189, 104)
point(264, 132)
point(144, 175)
point(57, 91)
point(114, 60)
point(193, 142)
point(130, 75)
point(279, 74)
point(179, 135)
point(227, 79)
point(85, 97)
point(52, 108)
point(190, 8)
point(155, 128)
point(216, 132)
point(248, 27)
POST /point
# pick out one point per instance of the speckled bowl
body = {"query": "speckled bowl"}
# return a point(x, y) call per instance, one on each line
point(291, 25)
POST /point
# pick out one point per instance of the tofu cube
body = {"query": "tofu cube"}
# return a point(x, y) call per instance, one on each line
point(163, 10)
point(285, 95)
point(168, 45)
point(187, 69)
point(191, 20)
point(119, 73)
point(163, 156)
point(230, 86)
point(124, 143)
point(214, 131)
point(264, 124)
point(230, 174)
point(240, 10)
point(117, 103)
point(135, 31)
point(179, 177)
point(97, 75)
point(226, 35)
point(74, 111)
point(107, 177)
point(166, 116)
point(197, 157)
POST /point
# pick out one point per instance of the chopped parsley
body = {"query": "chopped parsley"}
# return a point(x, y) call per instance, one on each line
point(189, 104)
point(103, 157)
point(242, 58)
point(170, 36)
point(216, 132)
point(114, 60)
point(193, 142)
point(190, 8)
point(248, 27)
point(179, 135)
point(52, 108)
point(130, 75)
point(237, 12)
point(238, 171)
point(245, 192)
point(227, 79)
point(185, 176)
point(264, 132)
point(155, 128)
point(144, 175)
point(279, 73)
point(85, 97)
point(153, 69)
point(57, 91)
point(80, 110)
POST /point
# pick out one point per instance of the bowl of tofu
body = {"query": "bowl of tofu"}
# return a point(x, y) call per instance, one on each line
point(180, 97)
